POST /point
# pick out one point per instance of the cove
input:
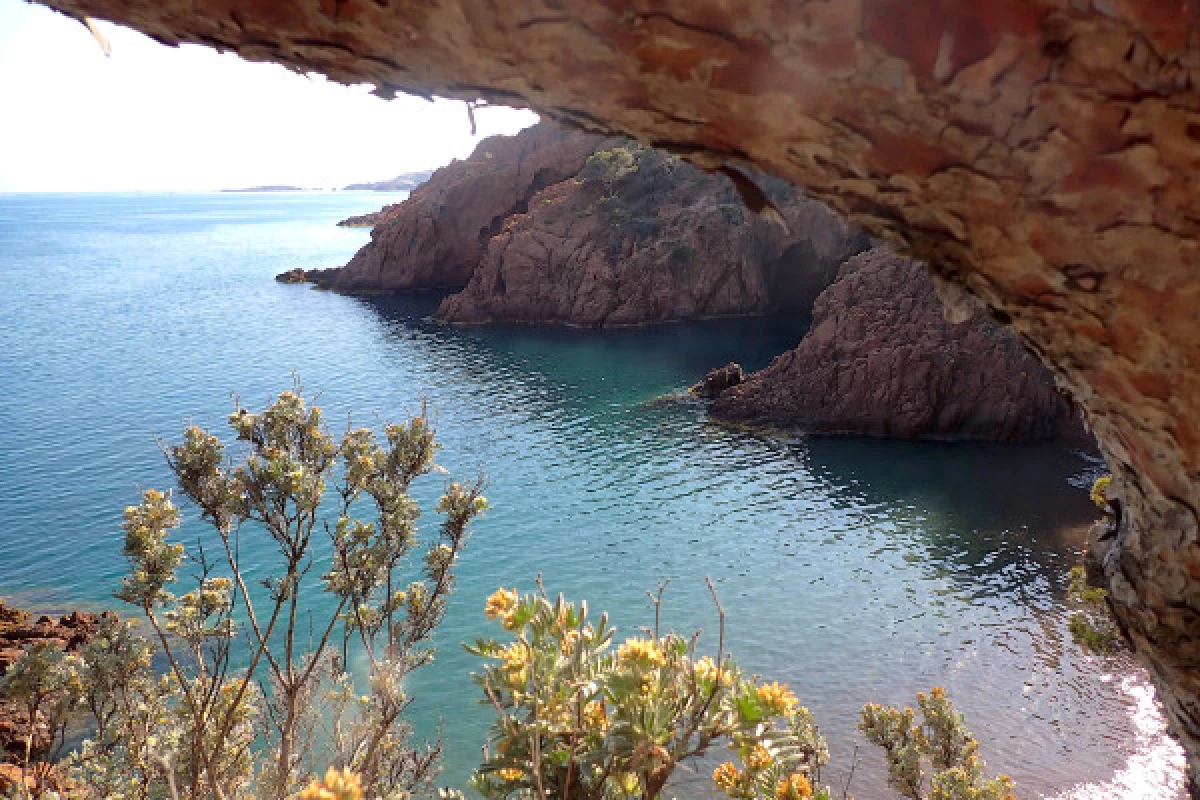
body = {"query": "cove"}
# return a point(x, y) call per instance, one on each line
point(853, 569)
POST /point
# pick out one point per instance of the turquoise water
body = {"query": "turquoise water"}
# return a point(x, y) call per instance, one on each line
point(853, 569)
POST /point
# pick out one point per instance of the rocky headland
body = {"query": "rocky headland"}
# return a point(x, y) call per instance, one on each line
point(436, 237)
point(640, 237)
point(880, 359)
point(551, 227)
point(369, 220)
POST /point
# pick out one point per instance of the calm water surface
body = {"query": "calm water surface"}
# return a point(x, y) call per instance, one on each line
point(855, 570)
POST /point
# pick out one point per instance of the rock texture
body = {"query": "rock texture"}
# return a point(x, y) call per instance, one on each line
point(640, 237)
point(435, 238)
point(1041, 155)
point(297, 275)
point(881, 360)
point(718, 380)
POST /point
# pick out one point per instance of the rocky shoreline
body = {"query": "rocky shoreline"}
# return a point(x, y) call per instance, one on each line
point(19, 630)
point(556, 227)
point(552, 226)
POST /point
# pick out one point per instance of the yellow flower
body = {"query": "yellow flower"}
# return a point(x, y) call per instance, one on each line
point(641, 652)
point(559, 714)
point(793, 787)
point(515, 659)
point(595, 716)
point(511, 774)
point(777, 699)
point(570, 639)
point(707, 672)
point(337, 785)
point(501, 605)
point(758, 758)
point(727, 776)
point(626, 783)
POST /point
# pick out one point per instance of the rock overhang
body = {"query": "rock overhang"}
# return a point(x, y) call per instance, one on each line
point(1042, 156)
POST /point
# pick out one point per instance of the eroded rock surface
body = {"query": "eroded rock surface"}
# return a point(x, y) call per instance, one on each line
point(639, 237)
point(881, 360)
point(1041, 155)
point(435, 238)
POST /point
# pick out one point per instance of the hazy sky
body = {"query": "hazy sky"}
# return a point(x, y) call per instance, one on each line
point(154, 117)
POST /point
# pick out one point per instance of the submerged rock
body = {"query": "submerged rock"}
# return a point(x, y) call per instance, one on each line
point(880, 359)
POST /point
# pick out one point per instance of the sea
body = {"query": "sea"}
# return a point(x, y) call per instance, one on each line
point(853, 569)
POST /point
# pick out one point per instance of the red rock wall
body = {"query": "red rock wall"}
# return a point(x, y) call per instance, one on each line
point(663, 242)
point(435, 238)
point(1040, 154)
point(881, 360)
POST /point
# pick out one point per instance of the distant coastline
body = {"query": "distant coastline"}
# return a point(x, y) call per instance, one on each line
point(406, 182)
point(272, 188)
point(401, 183)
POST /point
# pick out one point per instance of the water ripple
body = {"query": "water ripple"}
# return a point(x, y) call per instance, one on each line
point(852, 569)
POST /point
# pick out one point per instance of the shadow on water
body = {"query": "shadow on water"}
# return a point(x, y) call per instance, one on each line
point(983, 508)
point(687, 348)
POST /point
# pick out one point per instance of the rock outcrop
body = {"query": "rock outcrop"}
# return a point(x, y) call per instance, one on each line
point(640, 237)
point(1040, 155)
point(881, 360)
point(371, 219)
point(718, 380)
point(435, 238)
point(297, 275)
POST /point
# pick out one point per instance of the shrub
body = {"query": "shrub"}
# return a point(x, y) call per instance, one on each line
point(1091, 623)
point(936, 759)
point(579, 717)
point(1099, 493)
point(220, 725)
point(609, 166)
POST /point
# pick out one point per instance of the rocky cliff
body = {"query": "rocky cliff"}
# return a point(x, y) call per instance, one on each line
point(435, 238)
point(880, 359)
point(638, 237)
